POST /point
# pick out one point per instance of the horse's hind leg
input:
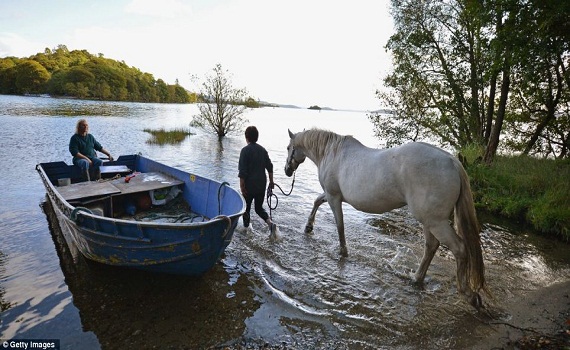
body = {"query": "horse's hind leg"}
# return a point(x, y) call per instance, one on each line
point(430, 247)
point(310, 222)
point(447, 236)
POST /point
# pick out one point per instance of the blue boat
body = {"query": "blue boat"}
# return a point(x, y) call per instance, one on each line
point(102, 219)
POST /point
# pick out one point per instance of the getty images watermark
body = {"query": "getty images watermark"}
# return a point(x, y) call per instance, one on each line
point(44, 344)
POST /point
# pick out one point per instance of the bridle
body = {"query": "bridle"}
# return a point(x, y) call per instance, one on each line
point(292, 162)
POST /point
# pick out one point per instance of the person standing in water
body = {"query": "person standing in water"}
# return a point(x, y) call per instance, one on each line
point(253, 162)
point(82, 147)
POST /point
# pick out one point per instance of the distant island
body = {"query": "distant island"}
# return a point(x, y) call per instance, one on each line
point(80, 74)
point(60, 72)
point(315, 107)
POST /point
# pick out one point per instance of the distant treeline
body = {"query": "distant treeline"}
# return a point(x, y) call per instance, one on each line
point(77, 73)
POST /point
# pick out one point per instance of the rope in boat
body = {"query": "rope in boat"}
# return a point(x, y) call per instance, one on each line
point(75, 211)
point(271, 195)
point(118, 176)
point(176, 211)
point(180, 218)
point(220, 216)
point(152, 216)
point(219, 201)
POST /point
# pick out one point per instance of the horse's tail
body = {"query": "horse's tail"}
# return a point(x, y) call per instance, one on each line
point(468, 228)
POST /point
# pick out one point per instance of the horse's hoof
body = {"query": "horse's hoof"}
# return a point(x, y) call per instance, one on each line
point(476, 301)
point(308, 228)
point(417, 283)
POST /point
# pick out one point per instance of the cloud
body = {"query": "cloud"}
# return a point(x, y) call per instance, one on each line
point(15, 45)
point(301, 52)
point(166, 9)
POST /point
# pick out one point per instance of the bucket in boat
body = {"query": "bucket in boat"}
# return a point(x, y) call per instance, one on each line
point(63, 181)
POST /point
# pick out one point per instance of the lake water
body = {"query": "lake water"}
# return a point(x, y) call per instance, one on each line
point(295, 292)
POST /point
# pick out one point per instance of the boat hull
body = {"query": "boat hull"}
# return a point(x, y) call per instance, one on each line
point(178, 248)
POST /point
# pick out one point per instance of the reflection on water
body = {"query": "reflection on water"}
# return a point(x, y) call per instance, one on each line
point(153, 310)
point(25, 107)
point(4, 305)
point(295, 292)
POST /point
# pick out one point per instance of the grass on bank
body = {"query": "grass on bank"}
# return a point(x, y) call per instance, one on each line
point(163, 137)
point(530, 190)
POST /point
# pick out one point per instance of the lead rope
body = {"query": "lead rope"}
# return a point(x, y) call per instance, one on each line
point(271, 195)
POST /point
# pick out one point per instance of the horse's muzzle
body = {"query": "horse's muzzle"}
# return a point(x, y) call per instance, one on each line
point(289, 171)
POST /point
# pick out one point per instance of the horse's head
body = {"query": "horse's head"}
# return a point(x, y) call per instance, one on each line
point(295, 156)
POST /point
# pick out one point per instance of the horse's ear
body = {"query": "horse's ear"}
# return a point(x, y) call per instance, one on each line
point(291, 135)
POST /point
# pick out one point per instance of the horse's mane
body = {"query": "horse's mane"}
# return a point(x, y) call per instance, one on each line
point(321, 141)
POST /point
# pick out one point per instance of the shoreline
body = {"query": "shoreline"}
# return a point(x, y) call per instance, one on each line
point(538, 320)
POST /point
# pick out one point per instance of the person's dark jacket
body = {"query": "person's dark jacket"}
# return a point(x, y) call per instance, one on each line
point(253, 161)
point(86, 145)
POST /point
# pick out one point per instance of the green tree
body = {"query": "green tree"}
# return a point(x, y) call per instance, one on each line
point(31, 77)
point(436, 88)
point(146, 86)
point(221, 111)
point(540, 102)
point(163, 91)
point(477, 72)
point(180, 94)
point(250, 102)
point(8, 75)
point(81, 74)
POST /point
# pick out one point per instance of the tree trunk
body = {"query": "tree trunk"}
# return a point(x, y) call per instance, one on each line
point(475, 118)
point(565, 147)
point(493, 143)
point(551, 105)
point(490, 108)
point(493, 84)
point(538, 131)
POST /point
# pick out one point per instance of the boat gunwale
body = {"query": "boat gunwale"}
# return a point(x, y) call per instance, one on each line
point(59, 198)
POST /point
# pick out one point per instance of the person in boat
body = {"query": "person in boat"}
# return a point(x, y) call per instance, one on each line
point(253, 162)
point(82, 146)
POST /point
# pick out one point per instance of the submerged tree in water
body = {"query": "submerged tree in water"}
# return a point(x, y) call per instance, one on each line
point(223, 106)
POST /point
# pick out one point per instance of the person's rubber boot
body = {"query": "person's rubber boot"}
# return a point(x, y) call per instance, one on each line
point(97, 174)
point(273, 232)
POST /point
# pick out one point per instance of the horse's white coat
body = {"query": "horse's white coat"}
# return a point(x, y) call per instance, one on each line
point(429, 180)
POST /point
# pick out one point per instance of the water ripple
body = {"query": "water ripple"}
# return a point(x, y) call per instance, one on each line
point(296, 290)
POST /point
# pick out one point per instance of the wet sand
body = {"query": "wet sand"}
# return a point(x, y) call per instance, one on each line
point(538, 320)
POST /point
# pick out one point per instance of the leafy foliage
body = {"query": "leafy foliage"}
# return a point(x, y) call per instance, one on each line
point(170, 137)
point(539, 195)
point(80, 74)
point(473, 72)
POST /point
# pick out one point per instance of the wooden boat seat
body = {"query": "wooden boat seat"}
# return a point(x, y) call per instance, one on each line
point(108, 171)
point(82, 190)
point(140, 182)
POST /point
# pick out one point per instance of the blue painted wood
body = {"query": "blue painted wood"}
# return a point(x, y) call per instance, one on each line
point(178, 248)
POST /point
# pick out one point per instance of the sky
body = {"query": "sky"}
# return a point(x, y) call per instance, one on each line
point(302, 52)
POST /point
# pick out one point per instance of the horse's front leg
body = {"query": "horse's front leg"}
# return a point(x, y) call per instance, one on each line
point(336, 206)
point(310, 222)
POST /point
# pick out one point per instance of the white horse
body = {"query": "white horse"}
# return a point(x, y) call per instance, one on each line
point(429, 180)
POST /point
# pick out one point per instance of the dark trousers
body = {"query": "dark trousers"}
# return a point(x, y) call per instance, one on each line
point(258, 198)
